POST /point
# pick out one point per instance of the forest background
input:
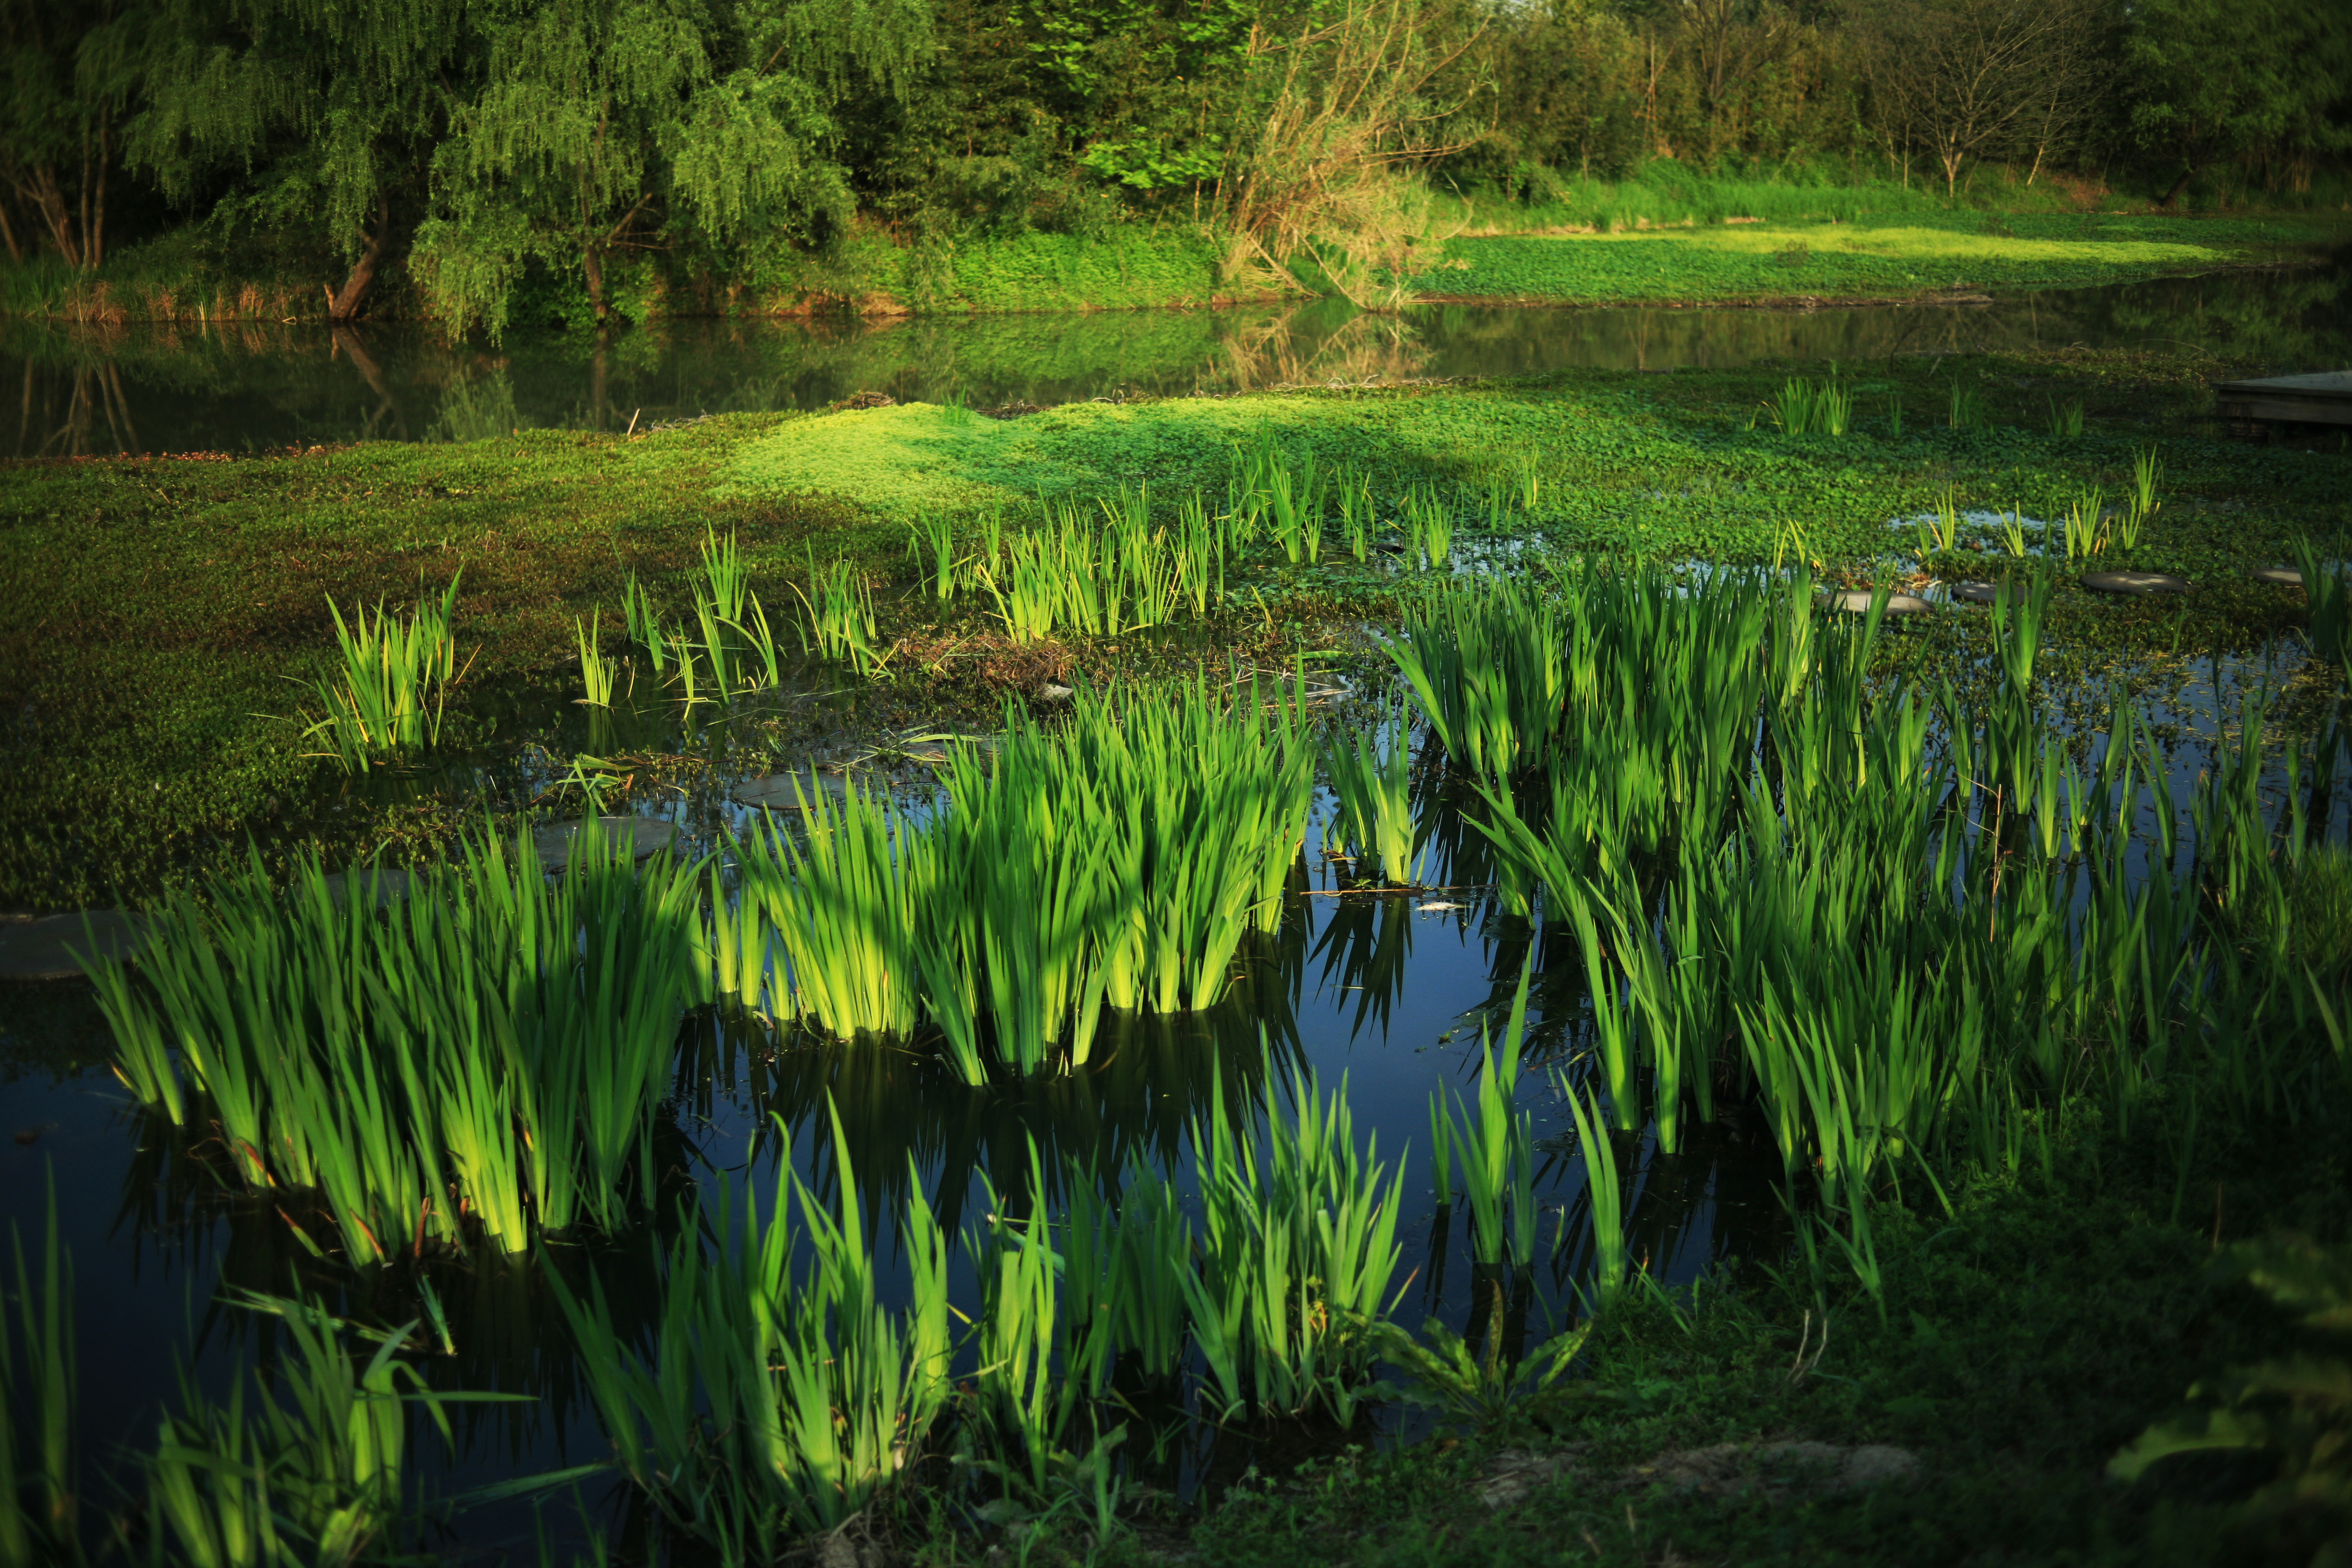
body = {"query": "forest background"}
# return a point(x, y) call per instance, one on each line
point(489, 162)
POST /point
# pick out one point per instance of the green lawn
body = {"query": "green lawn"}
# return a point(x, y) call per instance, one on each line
point(1914, 254)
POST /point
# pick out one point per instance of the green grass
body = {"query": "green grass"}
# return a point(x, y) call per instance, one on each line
point(153, 613)
point(1770, 261)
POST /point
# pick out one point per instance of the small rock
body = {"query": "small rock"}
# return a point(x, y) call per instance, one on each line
point(784, 791)
point(1992, 593)
point(2135, 582)
point(644, 836)
point(1049, 692)
point(1856, 601)
point(45, 949)
point(2285, 577)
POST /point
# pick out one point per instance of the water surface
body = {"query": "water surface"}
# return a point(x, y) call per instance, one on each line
point(246, 386)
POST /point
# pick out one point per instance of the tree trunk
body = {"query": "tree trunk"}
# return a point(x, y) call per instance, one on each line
point(591, 265)
point(343, 304)
point(51, 203)
point(2180, 185)
point(8, 235)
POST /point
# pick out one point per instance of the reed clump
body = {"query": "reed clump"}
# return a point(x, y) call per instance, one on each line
point(1118, 859)
point(481, 1061)
point(394, 683)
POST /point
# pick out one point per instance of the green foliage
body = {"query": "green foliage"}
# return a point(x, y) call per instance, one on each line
point(317, 1478)
point(396, 685)
point(499, 1033)
point(40, 1503)
point(1118, 859)
point(2296, 1410)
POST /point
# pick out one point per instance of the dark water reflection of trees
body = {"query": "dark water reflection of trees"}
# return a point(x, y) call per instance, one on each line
point(243, 386)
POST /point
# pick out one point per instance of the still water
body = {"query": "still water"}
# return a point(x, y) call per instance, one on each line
point(238, 388)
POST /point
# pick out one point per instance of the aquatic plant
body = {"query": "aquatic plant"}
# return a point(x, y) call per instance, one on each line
point(1429, 528)
point(771, 1402)
point(1297, 1249)
point(841, 619)
point(394, 685)
point(1940, 531)
point(1605, 1204)
point(645, 622)
point(317, 1476)
point(2067, 422)
point(40, 1497)
point(595, 668)
point(1803, 407)
point(1964, 407)
point(483, 1059)
point(1068, 576)
point(726, 575)
point(1372, 776)
point(2085, 524)
point(1485, 664)
point(935, 532)
point(2141, 506)
point(1497, 1147)
point(1118, 859)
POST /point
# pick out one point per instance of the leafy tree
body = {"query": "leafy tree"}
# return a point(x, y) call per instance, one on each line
point(600, 124)
point(64, 81)
point(2255, 79)
point(328, 111)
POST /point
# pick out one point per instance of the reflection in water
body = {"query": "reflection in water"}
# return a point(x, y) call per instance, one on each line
point(174, 387)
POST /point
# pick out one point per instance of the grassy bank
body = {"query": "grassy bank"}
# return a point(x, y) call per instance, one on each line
point(1870, 259)
point(1578, 241)
point(157, 614)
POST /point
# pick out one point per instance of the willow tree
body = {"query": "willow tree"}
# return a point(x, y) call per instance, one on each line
point(63, 85)
point(320, 115)
point(606, 126)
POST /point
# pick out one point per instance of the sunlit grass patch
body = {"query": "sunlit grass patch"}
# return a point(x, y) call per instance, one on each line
point(1763, 260)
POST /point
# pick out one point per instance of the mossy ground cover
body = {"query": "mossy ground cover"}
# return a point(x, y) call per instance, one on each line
point(157, 617)
point(1914, 254)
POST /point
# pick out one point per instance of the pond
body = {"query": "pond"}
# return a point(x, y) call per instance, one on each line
point(1384, 996)
point(246, 386)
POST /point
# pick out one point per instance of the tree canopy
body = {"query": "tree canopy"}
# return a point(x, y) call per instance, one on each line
point(604, 149)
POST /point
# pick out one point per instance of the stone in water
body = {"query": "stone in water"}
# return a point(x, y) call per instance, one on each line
point(1991, 593)
point(1856, 601)
point(644, 836)
point(45, 949)
point(784, 791)
point(2135, 582)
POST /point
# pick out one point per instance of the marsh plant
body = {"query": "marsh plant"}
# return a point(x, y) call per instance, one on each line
point(1803, 407)
point(481, 1062)
point(1372, 775)
point(1117, 860)
point(40, 1497)
point(393, 684)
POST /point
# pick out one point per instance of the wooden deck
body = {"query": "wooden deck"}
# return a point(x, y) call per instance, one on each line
point(2322, 399)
